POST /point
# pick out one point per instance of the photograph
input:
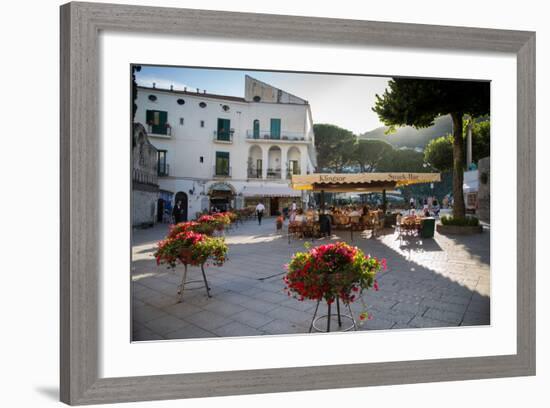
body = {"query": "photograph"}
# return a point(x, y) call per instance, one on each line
point(298, 203)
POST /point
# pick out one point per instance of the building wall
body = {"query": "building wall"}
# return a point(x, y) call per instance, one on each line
point(145, 189)
point(192, 143)
point(144, 207)
point(484, 192)
point(195, 138)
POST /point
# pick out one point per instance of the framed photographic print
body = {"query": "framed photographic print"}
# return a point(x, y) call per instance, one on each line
point(248, 200)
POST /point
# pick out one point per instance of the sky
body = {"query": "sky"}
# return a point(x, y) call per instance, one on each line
point(342, 100)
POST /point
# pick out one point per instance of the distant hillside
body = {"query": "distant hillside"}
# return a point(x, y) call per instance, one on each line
point(410, 137)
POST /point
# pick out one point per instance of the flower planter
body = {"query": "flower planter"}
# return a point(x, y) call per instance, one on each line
point(458, 230)
point(187, 247)
point(333, 273)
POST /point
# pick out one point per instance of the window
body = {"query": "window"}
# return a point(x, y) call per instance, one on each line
point(202, 123)
point(225, 108)
point(162, 166)
point(259, 168)
point(275, 128)
point(256, 129)
point(202, 104)
point(222, 164)
point(201, 159)
point(293, 167)
point(180, 101)
point(158, 121)
point(152, 98)
point(181, 121)
point(224, 129)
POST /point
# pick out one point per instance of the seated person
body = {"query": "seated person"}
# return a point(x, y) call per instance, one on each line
point(299, 216)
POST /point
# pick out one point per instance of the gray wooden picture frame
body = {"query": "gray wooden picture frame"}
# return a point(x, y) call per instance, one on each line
point(81, 24)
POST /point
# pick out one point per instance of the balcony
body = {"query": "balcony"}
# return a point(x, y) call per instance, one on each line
point(283, 136)
point(144, 177)
point(223, 137)
point(222, 172)
point(254, 172)
point(274, 173)
point(291, 172)
point(159, 131)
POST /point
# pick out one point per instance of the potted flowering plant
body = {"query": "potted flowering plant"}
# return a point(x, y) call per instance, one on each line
point(331, 273)
point(187, 247)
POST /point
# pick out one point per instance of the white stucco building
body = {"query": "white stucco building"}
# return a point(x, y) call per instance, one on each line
point(217, 150)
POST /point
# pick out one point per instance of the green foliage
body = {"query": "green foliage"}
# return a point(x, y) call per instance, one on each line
point(405, 160)
point(460, 221)
point(439, 153)
point(368, 154)
point(334, 147)
point(417, 102)
point(408, 136)
point(481, 140)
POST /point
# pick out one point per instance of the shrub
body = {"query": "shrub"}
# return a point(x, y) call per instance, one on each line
point(460, 222)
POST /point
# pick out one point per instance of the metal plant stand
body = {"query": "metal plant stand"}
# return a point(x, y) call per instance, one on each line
point(328, 316)
point(184, 282)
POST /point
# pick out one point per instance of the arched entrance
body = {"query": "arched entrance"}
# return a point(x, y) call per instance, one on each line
point(180, 215)
point(221, 196)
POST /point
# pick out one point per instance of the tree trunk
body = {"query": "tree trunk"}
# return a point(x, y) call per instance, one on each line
point(459, 210)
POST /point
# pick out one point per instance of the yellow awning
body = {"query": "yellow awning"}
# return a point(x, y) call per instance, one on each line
point(360, 182)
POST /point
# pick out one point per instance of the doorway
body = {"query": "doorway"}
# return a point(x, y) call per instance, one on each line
point(181, 196)
point(274, 206)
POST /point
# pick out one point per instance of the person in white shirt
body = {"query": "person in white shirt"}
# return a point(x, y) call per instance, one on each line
point(293, 208)
point(260, 212)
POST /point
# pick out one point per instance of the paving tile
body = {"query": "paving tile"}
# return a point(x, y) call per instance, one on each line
point(476, 319)
point(292, 315)
point(146, 313)
point(190, 332)
point(146, 335)
point(444, 315)
point(278, 326)
point(165, 324)
point(427, 280)
point(252, 318)
point(235, 329)
point(208, 320)
point(424, 322)
point(183, 309)
point(222, 308)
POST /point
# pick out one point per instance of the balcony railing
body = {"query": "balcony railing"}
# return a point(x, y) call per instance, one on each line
point(283, 135)
point(254, 172)
point(159, 130)
point(224, 137)
point(274, 173)
point(163, 171)
point(220, 171)
point(144, 177)
point(290, 172)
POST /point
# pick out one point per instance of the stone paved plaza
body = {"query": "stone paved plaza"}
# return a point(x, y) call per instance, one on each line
point(438, 282)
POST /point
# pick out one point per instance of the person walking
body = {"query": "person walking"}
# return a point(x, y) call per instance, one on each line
point(260, 212)
point(178, 213)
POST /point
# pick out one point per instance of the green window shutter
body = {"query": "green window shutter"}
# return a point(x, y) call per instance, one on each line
point(157, 120)
point(275, 128)
point(222, 164)
point(224, 128)
point(256, 130)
